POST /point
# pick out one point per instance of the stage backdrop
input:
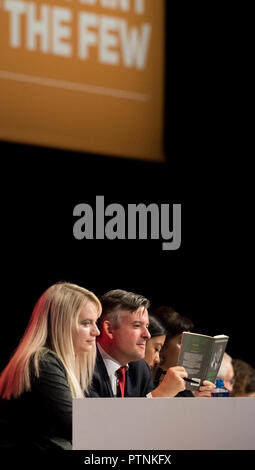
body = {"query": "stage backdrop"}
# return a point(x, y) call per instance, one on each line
point(85, 75)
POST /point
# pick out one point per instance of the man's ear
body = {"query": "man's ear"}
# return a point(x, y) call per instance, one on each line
point(108, 329)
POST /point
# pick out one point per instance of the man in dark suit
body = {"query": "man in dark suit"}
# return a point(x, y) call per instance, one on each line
point(123, 334)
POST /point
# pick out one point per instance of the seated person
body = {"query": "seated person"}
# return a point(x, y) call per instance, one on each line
point(121, 345)
point(155, 343)
point(52, 364)
point(244, 384)
point(175, 324)
point(226, 372)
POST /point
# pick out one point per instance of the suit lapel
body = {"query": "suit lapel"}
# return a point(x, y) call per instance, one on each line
point(104, 377)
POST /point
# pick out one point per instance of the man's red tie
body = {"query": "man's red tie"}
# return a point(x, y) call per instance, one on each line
point(121, 380)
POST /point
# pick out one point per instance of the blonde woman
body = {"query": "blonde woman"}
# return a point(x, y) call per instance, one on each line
point(52, 364)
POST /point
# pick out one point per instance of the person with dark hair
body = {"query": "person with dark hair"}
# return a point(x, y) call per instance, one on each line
point(175, 324)
point(244, 384)
point(120, 367)
point(249, 391)
point(155, 343)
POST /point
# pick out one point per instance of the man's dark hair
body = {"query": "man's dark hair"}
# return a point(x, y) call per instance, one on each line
point(116, 300)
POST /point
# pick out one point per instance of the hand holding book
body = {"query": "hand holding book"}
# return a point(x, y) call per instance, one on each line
point(205, 390)
point(201, 357)
point(172, 383)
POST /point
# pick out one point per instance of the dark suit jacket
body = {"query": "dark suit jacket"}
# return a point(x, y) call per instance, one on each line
point(138, 381)
point(42, 418)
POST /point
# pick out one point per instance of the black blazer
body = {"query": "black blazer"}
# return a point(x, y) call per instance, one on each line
point(138, 382)
point(42, 418)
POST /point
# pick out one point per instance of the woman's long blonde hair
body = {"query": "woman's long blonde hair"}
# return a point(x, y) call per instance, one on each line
point(50, 329)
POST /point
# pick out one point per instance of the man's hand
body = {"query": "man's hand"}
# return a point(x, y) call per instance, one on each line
point(205, 390)
point(172, 383)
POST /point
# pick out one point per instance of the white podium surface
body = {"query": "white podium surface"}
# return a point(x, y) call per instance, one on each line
point(164, 424)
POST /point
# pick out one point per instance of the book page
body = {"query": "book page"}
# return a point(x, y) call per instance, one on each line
point(216, 358)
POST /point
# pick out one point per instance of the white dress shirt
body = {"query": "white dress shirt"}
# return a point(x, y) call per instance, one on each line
point(112, 366)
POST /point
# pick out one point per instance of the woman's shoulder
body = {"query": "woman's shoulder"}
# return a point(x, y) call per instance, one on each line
point(49, 356)
point(48, 361)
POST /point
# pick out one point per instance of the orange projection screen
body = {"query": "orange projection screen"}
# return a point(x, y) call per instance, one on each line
point(84, 75)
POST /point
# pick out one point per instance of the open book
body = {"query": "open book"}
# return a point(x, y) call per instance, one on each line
point(201, 356)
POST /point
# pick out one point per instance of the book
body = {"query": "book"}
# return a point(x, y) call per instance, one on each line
point(201, 356)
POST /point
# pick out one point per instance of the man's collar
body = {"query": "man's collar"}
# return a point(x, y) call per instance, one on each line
point(110, 362)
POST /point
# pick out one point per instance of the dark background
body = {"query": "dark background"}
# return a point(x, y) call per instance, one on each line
point(204, 279)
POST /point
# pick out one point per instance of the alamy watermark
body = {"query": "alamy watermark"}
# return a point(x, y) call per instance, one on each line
point(136, 221)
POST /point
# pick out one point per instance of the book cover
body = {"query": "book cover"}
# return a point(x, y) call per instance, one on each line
point(201, 356)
